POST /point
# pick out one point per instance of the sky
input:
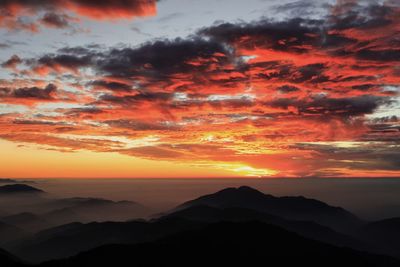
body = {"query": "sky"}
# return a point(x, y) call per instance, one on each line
point(199, 88)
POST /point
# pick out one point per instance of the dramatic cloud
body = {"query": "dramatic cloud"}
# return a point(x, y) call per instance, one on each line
point(289, 97)
point(57, 13)
point(12, 62)
point(29, 93)
point(54, 20)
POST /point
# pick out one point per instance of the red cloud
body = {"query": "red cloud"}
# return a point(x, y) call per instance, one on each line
point(56, 11)
point(12, 63)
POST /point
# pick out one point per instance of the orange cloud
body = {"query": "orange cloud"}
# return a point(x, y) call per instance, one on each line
point(55, 13)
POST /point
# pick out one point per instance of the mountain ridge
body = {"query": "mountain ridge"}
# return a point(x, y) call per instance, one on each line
point(295, 208)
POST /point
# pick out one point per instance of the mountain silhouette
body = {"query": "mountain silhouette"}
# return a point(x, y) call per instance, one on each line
point(67, 240)
point(307, 229)
point(28, 213)
point(297, 218)
point(9, 260)
point(70, 239)
point(227, 244)
point(384, 233)
point(26, 220)
point(9, 233)
point(294, 208)
point(18, 189)
point(50, 212)
point(59, 217)
point(96, 209)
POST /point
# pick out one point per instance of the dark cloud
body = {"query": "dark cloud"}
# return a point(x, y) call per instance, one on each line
point(149, 62)
point(140, 125)
point(55, 20)
point(35, 92)
point(46, 93)
point(364, 87)
point(4, 45)
point(55, 11)
point(90, 49)
point(138, 98)
point(364, 156)
point(287, 89)
point(292, 35)
point(351, 106)
point(163, 58)
point(312, 73)
point(112, 86)
point(85, 112)
point(59, 63)
point(351, 14)
point(12, 62)
point(303, 35)
point(383, 129)
point(36, 122)
point(387, 55)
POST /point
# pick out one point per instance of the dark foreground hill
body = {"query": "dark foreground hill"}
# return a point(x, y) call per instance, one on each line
point(307, 229)
point(385, 234)
point(9, 233)
point(68, 240)
point(8, 260)
point(227, 244)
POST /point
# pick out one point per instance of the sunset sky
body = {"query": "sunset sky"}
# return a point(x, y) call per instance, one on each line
point(199, 88)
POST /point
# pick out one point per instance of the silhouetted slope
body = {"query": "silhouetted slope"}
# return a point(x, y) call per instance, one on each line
point(294, 208)
point(28, 221)
point(384, 233)
point(9, 233)
point(8, 260)
point(227, 244)
point(32, 213)
point(96, 209)
point(18, 189)
point(68, 240)
point(305, 228)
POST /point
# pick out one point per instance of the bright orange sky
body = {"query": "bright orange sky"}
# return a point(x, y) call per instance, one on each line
point(283, 95)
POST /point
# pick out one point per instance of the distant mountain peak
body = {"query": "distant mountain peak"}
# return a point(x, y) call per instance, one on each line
point(295, 208)
point(247, 188)
point(19, 188)
point(242, 190)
